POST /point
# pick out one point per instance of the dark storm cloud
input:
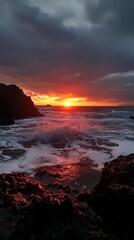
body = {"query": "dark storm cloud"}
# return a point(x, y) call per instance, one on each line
point(43, 24)
point(119, 85)
point(114, 30)
point(115, 15)
point(27, 35)
point(94, 39)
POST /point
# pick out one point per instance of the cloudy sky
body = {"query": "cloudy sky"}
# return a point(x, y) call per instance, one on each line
point(81, 50)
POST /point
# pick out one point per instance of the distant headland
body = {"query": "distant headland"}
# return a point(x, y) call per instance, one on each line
point(48, 105)
point(14, 104)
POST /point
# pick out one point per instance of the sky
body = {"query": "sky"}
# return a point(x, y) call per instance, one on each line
point(76, 50)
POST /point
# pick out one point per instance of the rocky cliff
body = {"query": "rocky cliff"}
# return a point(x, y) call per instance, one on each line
point(14, 104)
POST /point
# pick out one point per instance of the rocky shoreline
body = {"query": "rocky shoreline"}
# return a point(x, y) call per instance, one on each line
point(14, 104)
point(31, 209)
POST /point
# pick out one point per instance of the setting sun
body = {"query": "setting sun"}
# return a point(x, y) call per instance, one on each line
point(67, 103)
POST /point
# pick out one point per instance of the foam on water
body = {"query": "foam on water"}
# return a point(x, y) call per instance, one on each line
point(62, 137)
point(125, 147)
point(51, 134)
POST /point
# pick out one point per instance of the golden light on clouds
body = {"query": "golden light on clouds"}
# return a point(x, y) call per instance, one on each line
point(56, 99)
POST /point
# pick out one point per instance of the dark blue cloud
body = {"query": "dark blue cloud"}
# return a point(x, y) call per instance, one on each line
point(34, 42)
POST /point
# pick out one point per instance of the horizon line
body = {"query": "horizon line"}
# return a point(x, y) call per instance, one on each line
point(46, 105)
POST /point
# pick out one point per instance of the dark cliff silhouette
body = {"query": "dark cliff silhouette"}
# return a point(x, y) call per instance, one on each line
point(14, 104)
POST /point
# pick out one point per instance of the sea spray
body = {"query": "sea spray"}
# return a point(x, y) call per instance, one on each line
point(62, 137)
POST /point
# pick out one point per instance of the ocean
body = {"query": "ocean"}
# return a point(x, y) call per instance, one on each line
point(66, 135)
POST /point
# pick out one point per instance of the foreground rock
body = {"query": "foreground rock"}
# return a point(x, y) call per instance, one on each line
point(82, 176)
point(29, 211)
point(14, 104)
point(113, 198)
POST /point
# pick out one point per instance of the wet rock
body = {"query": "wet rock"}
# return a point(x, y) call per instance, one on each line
point(59, 220)
point(28, 144)
point(17, 186)
point(14, 104)
point(14, 153)
point(29, 211)
point(113, 197)
point(62, 188)
point(17, 192)
point(77, 175)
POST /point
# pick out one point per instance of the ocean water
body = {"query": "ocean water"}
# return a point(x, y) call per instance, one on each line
point(67, 135)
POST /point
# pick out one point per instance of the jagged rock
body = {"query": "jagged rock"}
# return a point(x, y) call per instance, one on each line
point(14, 104)
point(113, 197)
point(16, 194)
point(29, 211)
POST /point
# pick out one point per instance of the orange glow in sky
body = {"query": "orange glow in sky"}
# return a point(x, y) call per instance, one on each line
point(67, 100)
point(56, 99)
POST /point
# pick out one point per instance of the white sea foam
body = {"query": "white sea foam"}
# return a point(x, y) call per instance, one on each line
point(66, 137)
point(49, 135)
point(125, 147)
